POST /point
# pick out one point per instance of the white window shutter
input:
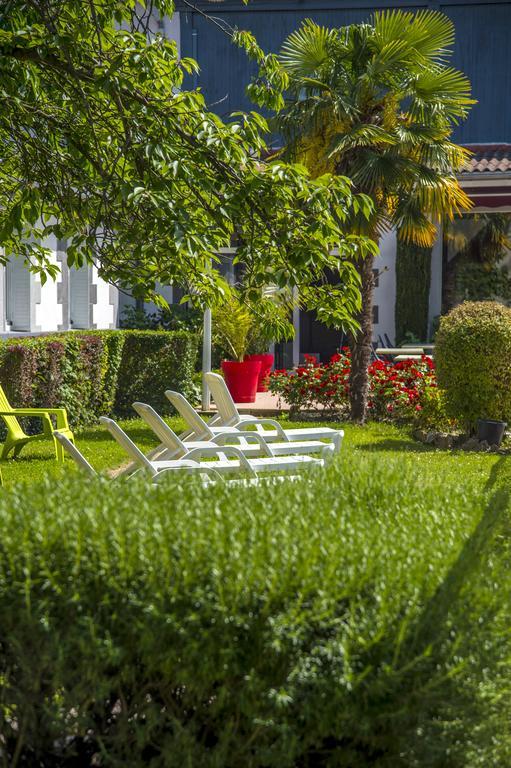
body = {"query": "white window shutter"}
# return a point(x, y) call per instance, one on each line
point(19, 294)
point(79, 296)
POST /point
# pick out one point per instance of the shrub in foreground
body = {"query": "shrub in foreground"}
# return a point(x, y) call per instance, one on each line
point(473, 358)
point(342, 620)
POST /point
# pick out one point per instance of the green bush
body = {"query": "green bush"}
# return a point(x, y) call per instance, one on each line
point(473, 359)
point(153, 361)
point(348, 619)
point(92, 373)
point(433, 413)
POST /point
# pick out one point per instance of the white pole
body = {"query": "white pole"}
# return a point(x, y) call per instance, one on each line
point(296, 325)
point(206, 357)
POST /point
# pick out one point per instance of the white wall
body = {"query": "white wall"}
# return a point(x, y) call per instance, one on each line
point(48, 312)
point(172, 30)
point(385, 293)
point(103, 312)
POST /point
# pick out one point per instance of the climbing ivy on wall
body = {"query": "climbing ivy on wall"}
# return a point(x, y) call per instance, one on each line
point(413, 278)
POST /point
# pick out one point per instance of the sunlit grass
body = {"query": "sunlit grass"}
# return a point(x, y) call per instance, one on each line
point(388, 442)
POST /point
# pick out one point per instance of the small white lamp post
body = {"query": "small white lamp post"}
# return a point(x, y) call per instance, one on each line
point(206, 357)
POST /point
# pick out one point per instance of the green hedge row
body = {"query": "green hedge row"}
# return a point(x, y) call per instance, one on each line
point(350, 619)
point(92, 373)
point(413, 279)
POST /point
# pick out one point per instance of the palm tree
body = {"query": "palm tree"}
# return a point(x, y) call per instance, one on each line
point(377, 103)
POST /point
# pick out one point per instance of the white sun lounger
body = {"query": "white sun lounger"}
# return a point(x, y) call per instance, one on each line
point(202, 449)
point(155, 468)
point(207, 474)
point(201, 430)
point(229, 416)
point(75, 454)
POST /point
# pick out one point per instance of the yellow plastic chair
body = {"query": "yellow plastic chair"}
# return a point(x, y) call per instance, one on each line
point(17, 438)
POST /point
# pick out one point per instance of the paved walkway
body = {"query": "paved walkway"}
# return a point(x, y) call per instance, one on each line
point(266, 404)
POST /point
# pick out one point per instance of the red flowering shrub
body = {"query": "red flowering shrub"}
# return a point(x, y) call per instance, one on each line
point(396, 390)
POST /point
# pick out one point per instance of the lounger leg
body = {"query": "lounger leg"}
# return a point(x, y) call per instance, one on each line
point(59, 452)
point(18, 447)
point(7, 448)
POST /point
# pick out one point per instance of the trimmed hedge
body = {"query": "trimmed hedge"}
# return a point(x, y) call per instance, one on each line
point(92, 373)
point(349, 619)
point(151, 362)
point(473, 359)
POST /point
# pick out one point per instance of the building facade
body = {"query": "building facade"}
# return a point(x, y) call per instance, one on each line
point(481, 51)
point(77, 299)
point(80, 299)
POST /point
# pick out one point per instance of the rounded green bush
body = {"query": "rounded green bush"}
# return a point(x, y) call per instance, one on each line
point(473, 359)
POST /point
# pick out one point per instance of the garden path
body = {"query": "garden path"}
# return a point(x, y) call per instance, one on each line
point(266, 404)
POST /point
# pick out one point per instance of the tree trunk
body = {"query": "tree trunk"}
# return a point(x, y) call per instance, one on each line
point(360, 345)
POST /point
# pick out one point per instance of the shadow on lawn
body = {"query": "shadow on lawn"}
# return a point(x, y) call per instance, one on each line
point(449, 603)
point(28, 457)
point(471, 558)
point(500, 474)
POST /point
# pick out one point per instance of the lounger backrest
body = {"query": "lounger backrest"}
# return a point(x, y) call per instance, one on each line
point(190, 415)
point(73, 451)
point(11, 422)
point(168, 437)
point(222, 397)
point(129, 446)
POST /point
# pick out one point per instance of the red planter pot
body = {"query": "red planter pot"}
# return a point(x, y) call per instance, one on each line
point(266, 366)
point(241, 379)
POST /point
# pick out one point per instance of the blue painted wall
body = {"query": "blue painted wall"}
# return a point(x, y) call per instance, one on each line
point(482, 50)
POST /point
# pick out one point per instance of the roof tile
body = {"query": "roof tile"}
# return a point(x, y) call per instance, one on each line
point(489, 158)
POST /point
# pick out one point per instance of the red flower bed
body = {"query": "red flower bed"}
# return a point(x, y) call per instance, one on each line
point(396, 390)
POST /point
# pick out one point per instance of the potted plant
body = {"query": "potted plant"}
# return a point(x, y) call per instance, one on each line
point(271, 323)
point(232, 324)
point(260, 354)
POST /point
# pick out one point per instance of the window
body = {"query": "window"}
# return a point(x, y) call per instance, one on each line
point(477, 259)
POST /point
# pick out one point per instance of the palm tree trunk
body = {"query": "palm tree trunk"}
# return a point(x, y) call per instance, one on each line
point(360, 345)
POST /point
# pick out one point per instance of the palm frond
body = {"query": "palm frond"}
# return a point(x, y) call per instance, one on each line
point(446, 89)
point(412, 224)
point(416, 134)
point(434, 34)
point(430, 34)
point(389, 57)
point(391, 25)
point(361, 135)
point(443, 198)
point(372, 170)
point(306, 50)
point(377, 103)
point(444, 156)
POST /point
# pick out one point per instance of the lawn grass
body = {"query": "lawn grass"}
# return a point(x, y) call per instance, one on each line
point(356, 617)
point(390, 443)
